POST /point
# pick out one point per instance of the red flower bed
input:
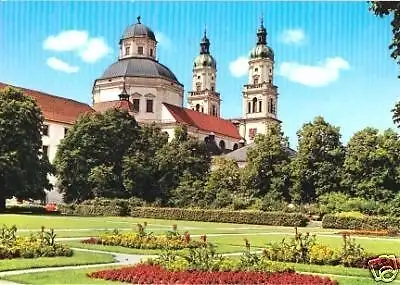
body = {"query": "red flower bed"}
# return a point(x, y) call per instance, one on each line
point(153, 274)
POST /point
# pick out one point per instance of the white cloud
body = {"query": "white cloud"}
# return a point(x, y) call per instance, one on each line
point(163, 40)
point(318, 75)
point(60, 65)
point(66, 41)
point(239, 67)
point(95, 49)
point(293, 36)
point(89, 49)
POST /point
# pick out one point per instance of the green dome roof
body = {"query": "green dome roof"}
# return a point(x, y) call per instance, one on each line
point(205, 60)
point(262, 51)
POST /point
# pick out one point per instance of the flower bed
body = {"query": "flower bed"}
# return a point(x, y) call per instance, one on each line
point(155, 274)
point(40, 245)
point(143, 240)
point(369, 232)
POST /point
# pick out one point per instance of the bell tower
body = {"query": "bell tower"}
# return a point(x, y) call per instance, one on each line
point(204, 97)
point(260, 95)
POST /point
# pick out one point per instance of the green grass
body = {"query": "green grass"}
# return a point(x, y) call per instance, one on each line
point(77, 276)
point(96, 224)
point(79, 258)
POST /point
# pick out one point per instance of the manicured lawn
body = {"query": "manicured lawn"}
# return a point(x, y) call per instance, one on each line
point(81, 224)
point(78, 258)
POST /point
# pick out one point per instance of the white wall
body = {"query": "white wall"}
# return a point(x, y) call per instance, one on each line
point(52, 140)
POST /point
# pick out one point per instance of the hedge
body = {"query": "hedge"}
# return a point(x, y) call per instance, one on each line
point(92, 210)
point(222, 216)
point(361, 223)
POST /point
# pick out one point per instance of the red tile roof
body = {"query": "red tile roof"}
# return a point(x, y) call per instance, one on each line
point(54, 108)
point(203, 121)
point(118, 104)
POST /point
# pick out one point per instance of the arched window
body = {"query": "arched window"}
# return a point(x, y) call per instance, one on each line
point(254, 104)
point(273, 108)
point(197, 107)
point(214, 110)
point(222, 144)
point(255, 81)
point(270, 103)
point(202, 109)
point(198, 86)
point(249, 107)
point(235, 146)
point(259, 106)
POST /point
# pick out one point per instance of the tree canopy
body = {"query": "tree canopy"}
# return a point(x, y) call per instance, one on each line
point(23, 167)
point(317, 167)
point(386, 8)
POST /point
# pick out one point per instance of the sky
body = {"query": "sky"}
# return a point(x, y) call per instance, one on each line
point(331, 58)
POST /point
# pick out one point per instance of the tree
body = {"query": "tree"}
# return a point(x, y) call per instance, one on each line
point(385, 8)
point(23, 168)
point(182, 154)
point(140, 166)
point(223, 183)
point(396, 114)
point(265, 171)
point(89, 159)
point(372, 165)
point(316, 167)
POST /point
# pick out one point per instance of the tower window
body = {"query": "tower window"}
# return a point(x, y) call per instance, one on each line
point(252, 133)
point(198, 86)
point(249, 107)
point(254, 105)
point(214, 110)
point(212, 87)
point(136, 104)
point(202, 109)
point(149, 106)
point(212, 77)
point(197, 107)
point(151, 52)
point(140, 50)
point(270, 104)
point(127, 50)
point(255, 81)
point(259, 106)
point(256, 69)
point(270, 71)
point(198, 77)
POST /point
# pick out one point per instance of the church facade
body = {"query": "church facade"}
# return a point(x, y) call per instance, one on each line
point(152, 93)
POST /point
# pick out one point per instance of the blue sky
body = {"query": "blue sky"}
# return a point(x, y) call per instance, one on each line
point(331, 58)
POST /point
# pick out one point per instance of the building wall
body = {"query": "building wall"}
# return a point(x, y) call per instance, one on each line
point(56, 132)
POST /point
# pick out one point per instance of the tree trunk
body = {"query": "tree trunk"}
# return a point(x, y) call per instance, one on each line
point(2, 204)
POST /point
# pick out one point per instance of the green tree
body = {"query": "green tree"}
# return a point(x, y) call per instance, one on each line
point(372, 165)
point(396, 114)
point(316, 169)
point(267, 161)
point(89, 159)
point(23, 168)
point(386, 8)
point(223, 183)
point(182, 154)
point(140, 166)
point(189, 193)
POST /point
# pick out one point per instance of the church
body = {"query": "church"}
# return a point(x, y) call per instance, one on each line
point(151, 92)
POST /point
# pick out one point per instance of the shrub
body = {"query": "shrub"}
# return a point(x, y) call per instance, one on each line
point(361, 223)
point(144, 240)
point(30, 209)
point(223, 216)
point(154, 274)
point(40, 245)
point(322, 254)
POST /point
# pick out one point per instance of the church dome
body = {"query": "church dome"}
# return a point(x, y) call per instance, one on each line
point(137, 30)
point(205, 60)
point(262, 51)
point(139, 67)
